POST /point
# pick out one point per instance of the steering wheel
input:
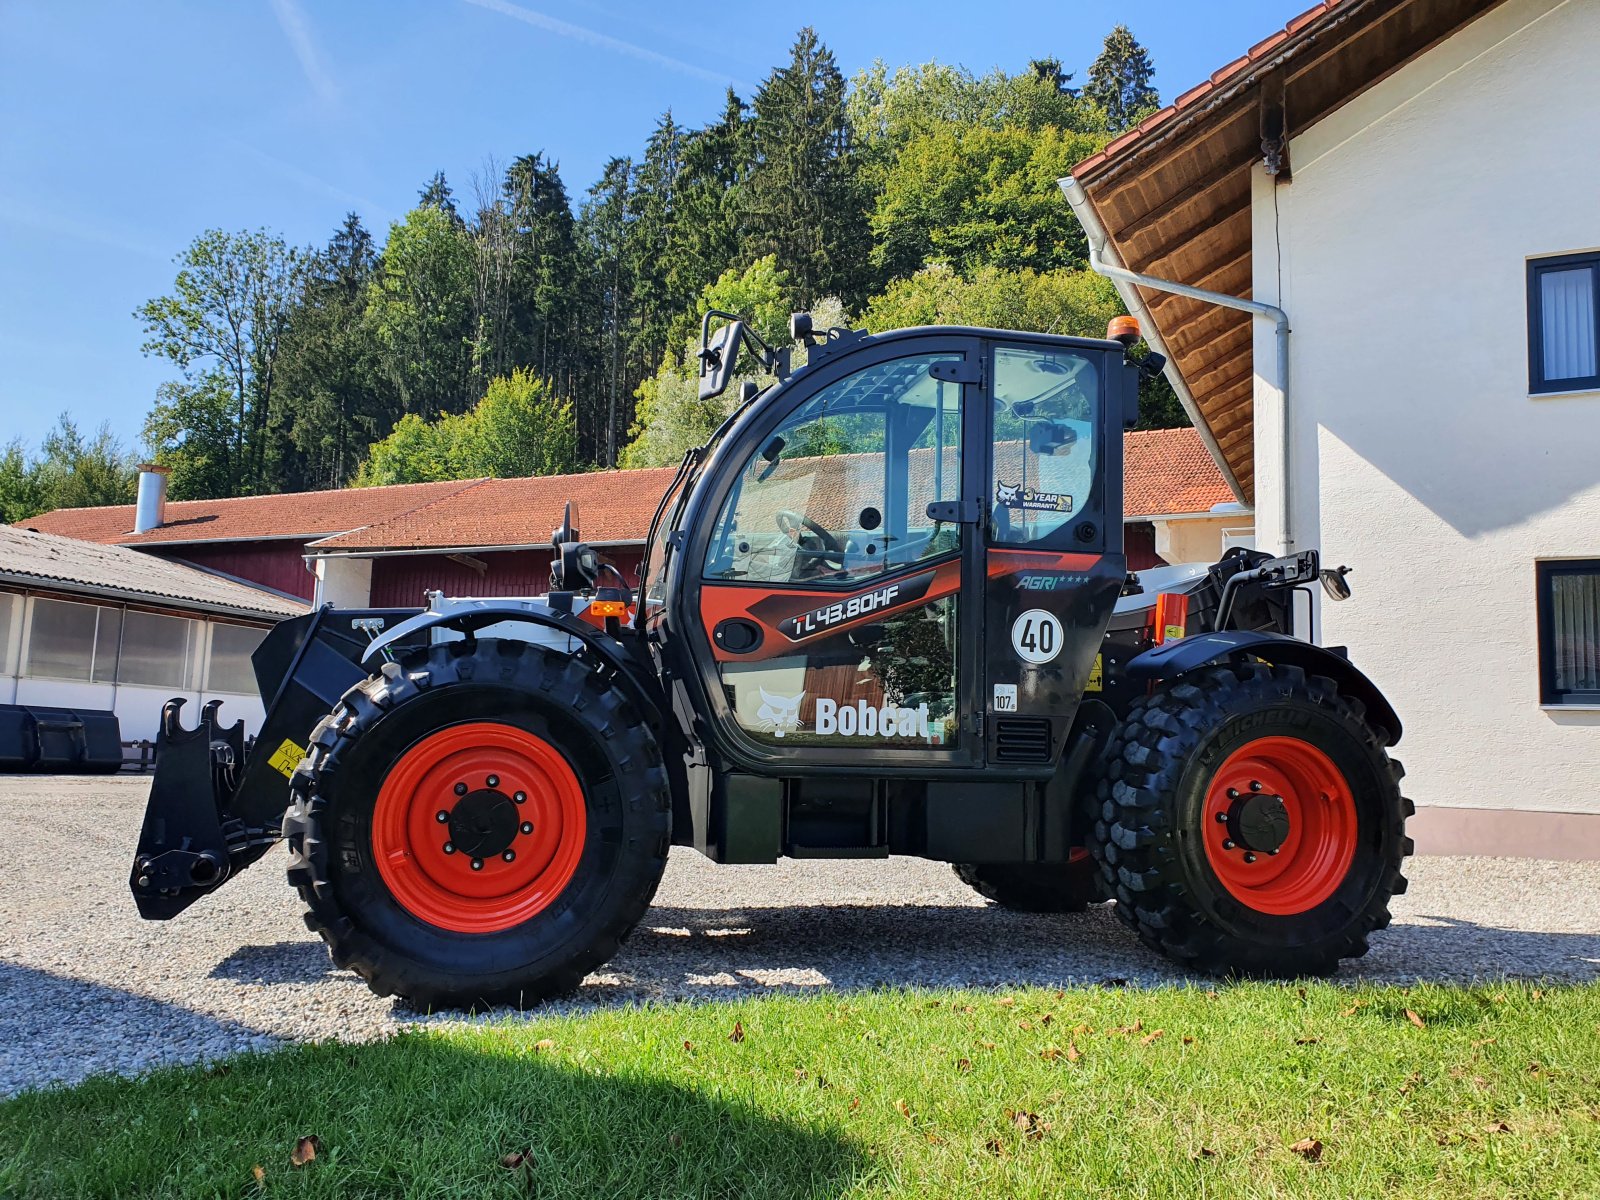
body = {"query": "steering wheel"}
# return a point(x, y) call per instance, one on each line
point(790, 524)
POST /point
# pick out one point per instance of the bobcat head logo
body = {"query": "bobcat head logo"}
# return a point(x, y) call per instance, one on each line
point(1007, 497)
point(779, 713)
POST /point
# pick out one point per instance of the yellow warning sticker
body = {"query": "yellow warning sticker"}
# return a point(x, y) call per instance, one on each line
point(1097, 678)
point(1172, 633)
point(286, 758)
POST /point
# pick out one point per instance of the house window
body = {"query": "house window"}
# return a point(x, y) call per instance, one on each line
point(231, 648)
point(62, 640)
point(1564, 323)
point(1569, 632)
point(157, 651)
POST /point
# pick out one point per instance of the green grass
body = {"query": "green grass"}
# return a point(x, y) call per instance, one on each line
point(1175, 1092)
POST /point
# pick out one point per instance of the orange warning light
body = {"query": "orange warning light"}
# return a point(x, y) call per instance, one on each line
point(1123, 329)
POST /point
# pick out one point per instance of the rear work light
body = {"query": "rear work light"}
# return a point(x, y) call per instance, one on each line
point(1172, 616)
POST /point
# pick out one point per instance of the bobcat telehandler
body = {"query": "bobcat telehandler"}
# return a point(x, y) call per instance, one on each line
point(883, 610)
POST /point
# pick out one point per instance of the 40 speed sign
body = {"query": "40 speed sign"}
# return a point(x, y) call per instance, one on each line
point(1036, 636)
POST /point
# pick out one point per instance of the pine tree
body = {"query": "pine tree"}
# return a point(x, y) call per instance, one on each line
point(802, 202)
point(605, 225)
point(704, 241)
point(1119, 80)
point(438, 195)
point(655, 212)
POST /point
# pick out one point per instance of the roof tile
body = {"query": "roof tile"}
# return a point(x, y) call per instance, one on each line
point(32, 559)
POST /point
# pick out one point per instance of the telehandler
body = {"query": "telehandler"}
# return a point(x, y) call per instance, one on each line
point(883, 610)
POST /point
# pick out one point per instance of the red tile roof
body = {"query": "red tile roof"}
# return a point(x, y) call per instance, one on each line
point(1169, 471)
point(1258, 54)
point(247, 518)
point(612, 506)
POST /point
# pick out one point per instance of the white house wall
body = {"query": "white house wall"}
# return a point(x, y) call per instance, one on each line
point(1423, 462)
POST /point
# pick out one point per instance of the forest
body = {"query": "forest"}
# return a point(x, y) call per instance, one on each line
point(506, 327)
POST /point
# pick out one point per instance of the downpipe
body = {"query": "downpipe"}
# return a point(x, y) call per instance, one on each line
point(1100, 254)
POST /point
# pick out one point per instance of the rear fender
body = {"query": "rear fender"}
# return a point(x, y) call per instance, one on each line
point(1172, 659)
point(531, 621)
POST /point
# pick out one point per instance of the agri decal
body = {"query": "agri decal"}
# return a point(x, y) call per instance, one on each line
point(863, 720)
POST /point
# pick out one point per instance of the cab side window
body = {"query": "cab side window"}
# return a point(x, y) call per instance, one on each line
point(1046, 429)
point(839, 492)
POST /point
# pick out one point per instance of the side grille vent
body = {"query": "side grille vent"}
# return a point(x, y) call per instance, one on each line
point(1022, 739)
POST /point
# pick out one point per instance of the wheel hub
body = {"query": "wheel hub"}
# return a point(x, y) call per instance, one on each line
point(483, 823)
point(1259, 821)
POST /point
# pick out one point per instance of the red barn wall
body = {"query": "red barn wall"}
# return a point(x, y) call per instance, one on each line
point(401, 580)
point(274, 564)
point(1139, 543)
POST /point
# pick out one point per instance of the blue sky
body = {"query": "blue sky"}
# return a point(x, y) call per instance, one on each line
point(126, 129)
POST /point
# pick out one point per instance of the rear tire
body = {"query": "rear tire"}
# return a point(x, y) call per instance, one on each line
point(394, 897)
point(1037, 887)
point(1251, 822)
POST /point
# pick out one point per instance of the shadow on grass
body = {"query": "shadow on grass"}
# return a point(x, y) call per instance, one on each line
point(417, 1115)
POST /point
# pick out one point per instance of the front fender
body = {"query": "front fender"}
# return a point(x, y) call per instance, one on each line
point(1172, 659)
point(469, 616)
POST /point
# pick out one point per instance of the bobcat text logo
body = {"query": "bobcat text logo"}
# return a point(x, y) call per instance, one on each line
point(863, 720)
point(779, 713)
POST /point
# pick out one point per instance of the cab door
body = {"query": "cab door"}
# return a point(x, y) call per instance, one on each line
point(837, 548)
point(1054, 562)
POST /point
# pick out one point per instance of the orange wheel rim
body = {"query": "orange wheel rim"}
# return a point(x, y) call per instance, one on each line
point(1280, 825)
point(478, 827)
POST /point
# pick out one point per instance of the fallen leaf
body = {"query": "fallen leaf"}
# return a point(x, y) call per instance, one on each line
point(1150, 1037)
point(1483, 1042)
point(688, 1045)
point(674, 1139)
point(1027, 1124)
point(1006, 1001)
point(987, 1045)
point(1302, 992)
point(1538, 994)
point(1306, 1041)
point(1203, 1152)
point(904, 1109)
point(1047, 1018)
point(544, 1044)
point(963, 1065)
point(1188, 1041)
point(1497, 1127)
point(259, 1173)
point(934, 1139)
point(994, 1147)
point(1050, 1053)
point(738, 1032)
point(1136, 1027)
point(516, 1158)
point(1081, 1028)
point(855, 1105)
point(1415, 1020)
point(968, 1008)
point(1072, 1053)
point(1025, 1026)
point(305, 1150)
point(1309, 1149)
point(800, 1074)
point(1351, 1011)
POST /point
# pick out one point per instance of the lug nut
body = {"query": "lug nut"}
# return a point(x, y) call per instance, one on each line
point(443, 817)
point(1227, 843)
point(461, 789)
point(477, 864)
point(1233, 793)
point(1272, 854)
point(1255, 785)
point(1249, 857)
point(527, 827)
point(449, 847)
point(509, 855)
point(1222, 818)
point(520, 797)
point(493, 781)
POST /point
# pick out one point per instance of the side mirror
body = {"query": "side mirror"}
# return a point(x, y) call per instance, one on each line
point(1046, 438)
point(771, 453)
point(1333, 582)
point(718, 356)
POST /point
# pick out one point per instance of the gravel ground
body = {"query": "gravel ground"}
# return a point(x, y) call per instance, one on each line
point(86, 986)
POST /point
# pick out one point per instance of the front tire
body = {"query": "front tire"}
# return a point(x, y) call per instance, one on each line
point(483, 825)
point(1251, 822)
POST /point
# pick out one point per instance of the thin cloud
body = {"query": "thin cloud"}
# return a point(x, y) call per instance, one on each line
point(604, 41)
point(55, 224)
point(314, 183)
point(293, 23)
